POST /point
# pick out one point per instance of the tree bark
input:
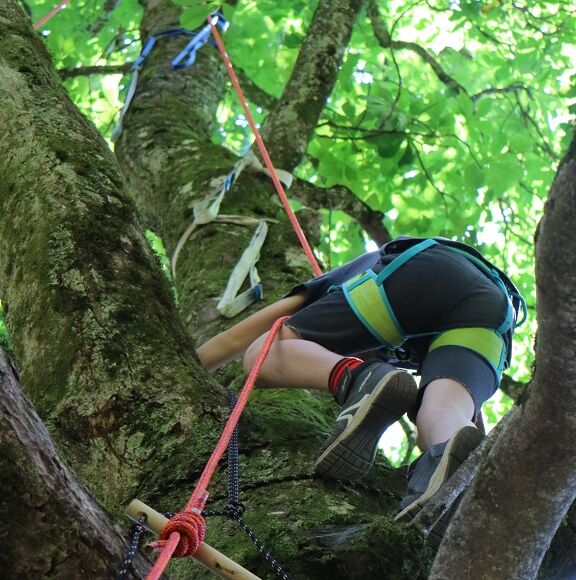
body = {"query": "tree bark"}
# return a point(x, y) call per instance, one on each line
point(525, 486)
point(42, 501)
point(103, 354)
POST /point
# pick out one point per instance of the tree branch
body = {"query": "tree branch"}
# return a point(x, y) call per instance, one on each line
point(339, 196)
point(81, 71)
point(513, 388)
point(292, 123)
point(51, 502)
point(254, 93)
point(499, 91)
point(410, 436)
point(385, 40)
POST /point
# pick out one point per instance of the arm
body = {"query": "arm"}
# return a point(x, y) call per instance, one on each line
point(232, 343)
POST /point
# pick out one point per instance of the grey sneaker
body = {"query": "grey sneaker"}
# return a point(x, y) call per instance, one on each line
point(373, 401)
point(428, 472)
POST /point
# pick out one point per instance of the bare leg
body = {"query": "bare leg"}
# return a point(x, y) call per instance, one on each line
point(292, 362)
point(446, 407)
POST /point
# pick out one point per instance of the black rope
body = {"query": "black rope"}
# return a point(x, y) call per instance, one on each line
point(135, 534)
point(234, 509)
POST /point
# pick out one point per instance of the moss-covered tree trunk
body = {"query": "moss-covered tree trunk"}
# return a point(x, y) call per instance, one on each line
point(42, 500)
point(527, 483)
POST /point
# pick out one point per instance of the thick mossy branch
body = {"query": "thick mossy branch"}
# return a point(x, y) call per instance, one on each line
point(291, 124)
point(42, 500)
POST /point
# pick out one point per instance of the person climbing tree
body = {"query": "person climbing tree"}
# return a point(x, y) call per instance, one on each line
point(449, 309)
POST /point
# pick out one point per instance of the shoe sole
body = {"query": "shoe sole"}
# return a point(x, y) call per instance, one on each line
point(351, 455)
point(457, 451)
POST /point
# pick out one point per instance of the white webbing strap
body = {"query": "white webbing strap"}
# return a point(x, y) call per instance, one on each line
point(206, 210)
point(231, 302)
point(254, 163)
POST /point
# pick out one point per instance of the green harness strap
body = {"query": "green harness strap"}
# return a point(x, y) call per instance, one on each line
point(366, 296)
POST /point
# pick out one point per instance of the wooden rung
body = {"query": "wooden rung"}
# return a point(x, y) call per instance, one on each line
point(205, 554)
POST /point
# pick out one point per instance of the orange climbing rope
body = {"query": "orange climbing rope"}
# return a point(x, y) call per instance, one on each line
point(185, 531)
point(52, 12)
point(283, 197)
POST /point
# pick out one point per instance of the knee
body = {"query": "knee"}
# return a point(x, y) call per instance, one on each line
point(252, 352)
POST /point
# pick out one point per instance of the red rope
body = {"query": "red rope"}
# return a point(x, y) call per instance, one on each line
point(182, 526)
point(185, 531)
point(264, 153)
point(52, 12)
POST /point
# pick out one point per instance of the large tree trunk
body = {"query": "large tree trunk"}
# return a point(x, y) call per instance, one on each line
point(103, 354)
point(527, 482)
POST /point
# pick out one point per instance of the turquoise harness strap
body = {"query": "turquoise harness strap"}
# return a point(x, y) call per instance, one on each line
point(370, 304)
point(403, 258)
point(495, 277)
point(366, 296)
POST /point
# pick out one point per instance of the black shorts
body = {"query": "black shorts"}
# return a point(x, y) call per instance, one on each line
point(439, 295)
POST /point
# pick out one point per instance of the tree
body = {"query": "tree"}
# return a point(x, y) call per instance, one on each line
point(105, 355)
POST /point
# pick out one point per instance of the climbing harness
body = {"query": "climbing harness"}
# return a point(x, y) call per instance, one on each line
point(50, 14)
point(367, 297)
point(185, 58)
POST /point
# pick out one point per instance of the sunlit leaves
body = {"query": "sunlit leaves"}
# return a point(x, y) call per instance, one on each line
point(85, 34)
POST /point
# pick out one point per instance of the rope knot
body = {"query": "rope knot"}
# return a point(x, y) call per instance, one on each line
point(192, 529)
point(234, 510)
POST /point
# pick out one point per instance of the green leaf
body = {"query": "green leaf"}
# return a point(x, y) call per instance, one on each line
point(349, 110)
point(389, 144)
point(195, 16)
point(294, 40)
point(408, 156)
point(228, 12)
point(473, 177)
